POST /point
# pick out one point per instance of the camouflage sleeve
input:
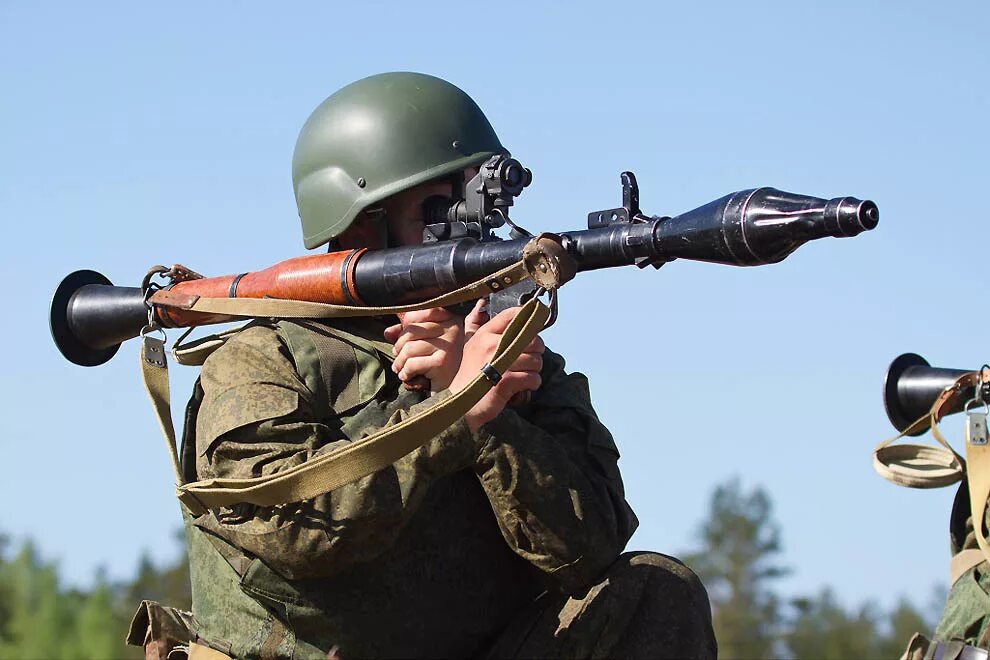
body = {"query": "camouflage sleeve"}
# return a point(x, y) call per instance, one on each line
point(550, 471)
point(258, 417)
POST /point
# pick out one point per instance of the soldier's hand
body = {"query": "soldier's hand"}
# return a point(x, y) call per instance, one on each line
point(428, 344)
point(523, 375)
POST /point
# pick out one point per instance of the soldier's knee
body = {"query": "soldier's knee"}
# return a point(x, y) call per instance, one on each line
point(659, 574)
point(668, 614)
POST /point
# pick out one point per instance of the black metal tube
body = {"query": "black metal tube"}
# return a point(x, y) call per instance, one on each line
point(746, 228)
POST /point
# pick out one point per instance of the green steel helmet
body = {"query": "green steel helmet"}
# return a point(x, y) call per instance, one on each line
point(377, 137)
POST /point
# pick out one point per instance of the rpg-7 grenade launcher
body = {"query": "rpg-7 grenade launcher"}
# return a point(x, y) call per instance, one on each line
point(90, 317)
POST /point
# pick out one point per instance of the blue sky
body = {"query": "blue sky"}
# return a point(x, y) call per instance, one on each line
point(134, 134)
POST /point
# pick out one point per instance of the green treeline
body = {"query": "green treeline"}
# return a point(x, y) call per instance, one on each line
point(40, 618)
point(738, 561)
point(737, 558)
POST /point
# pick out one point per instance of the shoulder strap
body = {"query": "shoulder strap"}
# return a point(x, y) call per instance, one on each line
point(373, 453)
point(924, 466)
point(368, 455)
point(348, 464)
point(154, 374)
point(194, 353)
point(978, 478)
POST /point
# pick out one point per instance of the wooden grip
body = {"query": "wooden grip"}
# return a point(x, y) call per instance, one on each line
point(323, 278)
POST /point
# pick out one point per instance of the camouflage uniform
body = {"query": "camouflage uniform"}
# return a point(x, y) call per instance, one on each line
point(967, 608)
point(966, 615)
point(503, 542)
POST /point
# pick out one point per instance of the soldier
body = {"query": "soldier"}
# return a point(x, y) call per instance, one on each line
point(967, 609)
point(500, 537)
point(916, 391)
point(962, 631)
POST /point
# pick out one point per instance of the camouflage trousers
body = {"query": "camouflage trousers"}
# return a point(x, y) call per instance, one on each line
point(647, 606)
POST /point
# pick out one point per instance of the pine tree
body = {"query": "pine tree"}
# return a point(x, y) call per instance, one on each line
point(46, 621)
point(168, 585)
point(99, 629)
point(39, 617)
point(904, 622)
point(6, 597)
point(823, 629)
point(737, 562)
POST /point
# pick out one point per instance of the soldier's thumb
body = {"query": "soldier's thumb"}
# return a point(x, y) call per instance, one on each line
point(501, 321)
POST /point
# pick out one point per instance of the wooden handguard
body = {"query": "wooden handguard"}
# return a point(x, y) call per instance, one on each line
point(322, 278)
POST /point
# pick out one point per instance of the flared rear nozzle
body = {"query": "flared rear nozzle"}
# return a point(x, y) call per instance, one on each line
point(911, 387)
point(89, 317)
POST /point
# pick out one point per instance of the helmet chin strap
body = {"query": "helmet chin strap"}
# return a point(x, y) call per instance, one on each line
point(457, 182)
point(377, 216)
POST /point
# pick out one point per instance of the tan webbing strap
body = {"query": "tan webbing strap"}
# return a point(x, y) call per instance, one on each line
point(924, 466)
point(978, 478)
point(291, 309)
point(154, 373)
point(962, 562)
point(201, 652)
point(917, 466)
point(195, 352)
point(368, 455)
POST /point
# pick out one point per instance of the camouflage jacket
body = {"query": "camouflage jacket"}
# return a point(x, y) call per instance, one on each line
point(966, 616)
point(429, 557)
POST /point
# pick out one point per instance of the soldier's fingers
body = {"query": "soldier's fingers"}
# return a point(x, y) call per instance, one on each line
point(435, 314)
point(415, 349)
point(534, 351)
point(477, 317)
point(424, 329)
point(536, 346)
point(528, 362)
point(518, 381)
point(393, 332)
point(416, 366)
point(418, 332)
point(500, 321)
